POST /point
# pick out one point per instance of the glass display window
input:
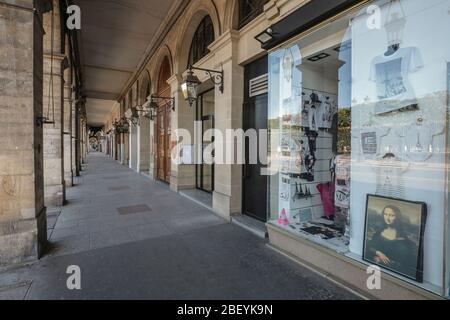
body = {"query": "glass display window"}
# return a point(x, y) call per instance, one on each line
point(358, 137)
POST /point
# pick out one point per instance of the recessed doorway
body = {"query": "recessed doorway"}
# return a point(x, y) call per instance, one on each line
point(205, 115)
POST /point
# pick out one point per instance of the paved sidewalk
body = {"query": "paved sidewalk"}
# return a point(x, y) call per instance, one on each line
point(135, 239)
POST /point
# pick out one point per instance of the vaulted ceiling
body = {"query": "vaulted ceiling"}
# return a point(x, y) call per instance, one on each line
point(114, 37)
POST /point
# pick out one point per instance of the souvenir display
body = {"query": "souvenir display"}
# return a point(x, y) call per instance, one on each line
point(367, 114)
point(389, 172)
point(394, 235)
point(418, 138)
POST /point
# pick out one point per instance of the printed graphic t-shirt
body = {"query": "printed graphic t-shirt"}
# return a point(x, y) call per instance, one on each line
point(390, 73)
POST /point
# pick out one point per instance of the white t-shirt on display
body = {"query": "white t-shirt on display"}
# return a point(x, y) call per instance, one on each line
point(370, 140)
point(390, 180)
point(394, 92)
point(418, 139)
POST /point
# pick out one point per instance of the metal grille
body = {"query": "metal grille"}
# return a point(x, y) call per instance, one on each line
point(259, 85)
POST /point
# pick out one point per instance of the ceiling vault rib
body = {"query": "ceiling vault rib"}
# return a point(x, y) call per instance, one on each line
point(108, 68)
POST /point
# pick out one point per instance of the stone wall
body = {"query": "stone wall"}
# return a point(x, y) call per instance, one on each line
point(54, 187)
point(67, 128)
point(22, 212)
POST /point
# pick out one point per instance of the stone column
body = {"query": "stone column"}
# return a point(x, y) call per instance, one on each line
point(126, 148)
point(78, 108)
point(23, 225)
point(84, 139)
point(67, 128)
point(134, 155)
point(54, 186)
point(182, 175)
point(144, 145)
point(227, 197)
point(73, 130)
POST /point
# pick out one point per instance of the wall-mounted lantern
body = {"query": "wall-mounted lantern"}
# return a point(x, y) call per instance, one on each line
point(191, 83)
point(121, 125)
point(168, 102)
point(265, 36)
point(150, 107)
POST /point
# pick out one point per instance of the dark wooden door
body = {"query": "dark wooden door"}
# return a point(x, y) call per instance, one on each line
point(163, 125)
point(255, 184)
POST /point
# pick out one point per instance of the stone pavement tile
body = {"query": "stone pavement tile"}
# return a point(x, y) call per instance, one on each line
point(70, 245)
point(51, 221)
point(185, 225)
point(15, 292)
point(115, 224)
point(81, 215)
point(149, 231)
point(60, 233)
point(130, 210)
point(99, 224)
point(60, 224)
point(110, 238)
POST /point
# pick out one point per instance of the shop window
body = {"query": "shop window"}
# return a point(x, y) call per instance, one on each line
point(203, 37)
point(358, 138)
point(249, 10)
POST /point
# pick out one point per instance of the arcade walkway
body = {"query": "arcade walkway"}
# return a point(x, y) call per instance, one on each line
point(135, 239)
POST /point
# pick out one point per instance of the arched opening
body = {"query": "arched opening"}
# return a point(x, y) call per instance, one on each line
point(249, 10)
point(203, 37)
point(163, 124)
point(144, 127)
point(134, 140)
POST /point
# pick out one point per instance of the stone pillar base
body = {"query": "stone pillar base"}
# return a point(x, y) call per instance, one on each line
point(23, 240)
point(55, 195)
point(222, 205)
point(68, 180)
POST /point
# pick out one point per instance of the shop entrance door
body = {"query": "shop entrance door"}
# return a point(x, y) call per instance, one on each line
point(255, 117)
point(205, 170)
point(163, 126)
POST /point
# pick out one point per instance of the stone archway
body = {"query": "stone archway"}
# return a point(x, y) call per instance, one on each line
point(197, 11)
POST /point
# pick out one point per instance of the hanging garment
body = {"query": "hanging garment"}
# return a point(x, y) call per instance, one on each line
point(327, 195)
point(418, 139)
point(313, 117)
point(370, 140)
point(390, 181)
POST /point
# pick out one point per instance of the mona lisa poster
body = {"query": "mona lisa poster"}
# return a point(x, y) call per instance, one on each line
point(394, 235)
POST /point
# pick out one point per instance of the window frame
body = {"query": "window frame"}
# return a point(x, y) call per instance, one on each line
point(253, 12)
point(202, 38)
